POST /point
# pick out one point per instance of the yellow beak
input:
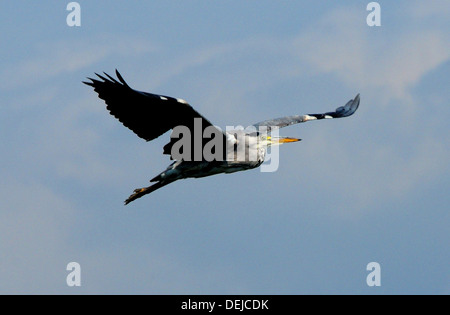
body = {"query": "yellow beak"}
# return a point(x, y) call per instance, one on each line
point(274, 141)
point(286, 140)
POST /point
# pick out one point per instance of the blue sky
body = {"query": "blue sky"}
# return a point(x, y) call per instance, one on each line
point(372, 187)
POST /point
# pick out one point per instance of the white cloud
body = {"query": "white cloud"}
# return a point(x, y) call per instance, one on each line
point(420, 10)
point(342, 45)
point(360, 171)
point(50, 59)
point(34, 229)
point(339, 44)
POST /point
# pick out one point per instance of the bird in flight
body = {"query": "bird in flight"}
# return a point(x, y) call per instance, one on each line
point(215, 151)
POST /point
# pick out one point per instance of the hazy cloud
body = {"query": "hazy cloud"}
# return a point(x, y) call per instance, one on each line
point(68, 165)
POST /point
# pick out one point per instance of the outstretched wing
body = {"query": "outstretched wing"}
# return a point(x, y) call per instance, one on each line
point(343, 111)
point(147, 115)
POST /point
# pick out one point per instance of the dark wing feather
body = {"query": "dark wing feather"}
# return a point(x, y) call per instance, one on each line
point(343, 111)
point(147, 115)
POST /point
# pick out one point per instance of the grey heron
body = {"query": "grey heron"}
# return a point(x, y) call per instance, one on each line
point(151, 115)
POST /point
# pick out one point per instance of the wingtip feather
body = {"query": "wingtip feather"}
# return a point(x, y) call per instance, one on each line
point(101, 77)
point(111, 78)
point(119, 76)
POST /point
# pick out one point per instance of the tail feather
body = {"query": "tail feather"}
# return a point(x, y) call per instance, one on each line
point(138, 193)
